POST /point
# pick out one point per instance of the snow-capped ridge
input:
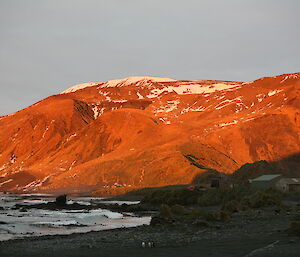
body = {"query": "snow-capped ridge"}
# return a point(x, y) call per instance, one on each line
point(118, 82)
point(134, 80)
point(180, 87)
point(78, 87)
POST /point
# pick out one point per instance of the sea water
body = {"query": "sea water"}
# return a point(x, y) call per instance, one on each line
point(15, 223)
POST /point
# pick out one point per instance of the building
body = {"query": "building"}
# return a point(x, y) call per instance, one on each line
point(215, 182)
point(288, 185)
point(218, 181)
point(265, 181)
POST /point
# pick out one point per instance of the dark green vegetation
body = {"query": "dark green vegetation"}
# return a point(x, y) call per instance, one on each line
point(200, 207)
point(203, 204)
point(143, 192)
point(211, 197)
point(239, 179)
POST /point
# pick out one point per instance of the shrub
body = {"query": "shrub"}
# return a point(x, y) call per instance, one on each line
point(221, 196)
point(179, 196)
point(165, 212)
point(221, 215)
point(196, 213)
point(235, 206)
point(224, 215)
point(178, 209)
point(264, 199)
point(209, 198)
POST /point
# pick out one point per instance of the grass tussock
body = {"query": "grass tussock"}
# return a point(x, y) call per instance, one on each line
point(187, 206)
point(231, 199)
point(261, 199)
point(193, 215)
point(172, 197)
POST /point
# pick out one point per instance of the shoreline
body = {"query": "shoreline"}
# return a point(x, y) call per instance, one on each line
point(55, 236)
point(81, 216)
point(51, 236)
point(256, 233)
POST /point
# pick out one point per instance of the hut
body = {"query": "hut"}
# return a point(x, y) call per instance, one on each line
point(288, 185)
point(215, 182)
point(265, 181)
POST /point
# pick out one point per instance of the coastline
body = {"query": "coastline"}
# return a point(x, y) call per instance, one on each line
point(260, 233)
point(28, 216)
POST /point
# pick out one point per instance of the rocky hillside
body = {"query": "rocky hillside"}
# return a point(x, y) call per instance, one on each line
point(146, 131)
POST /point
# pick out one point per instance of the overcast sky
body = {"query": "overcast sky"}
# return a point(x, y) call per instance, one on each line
point(47, 46)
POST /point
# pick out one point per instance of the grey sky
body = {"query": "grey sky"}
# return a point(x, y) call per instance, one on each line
point(47, 46)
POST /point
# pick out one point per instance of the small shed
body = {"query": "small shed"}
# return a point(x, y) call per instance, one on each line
point(265, 181)
point(215, 182)
point(218, 181)
point(288, 184)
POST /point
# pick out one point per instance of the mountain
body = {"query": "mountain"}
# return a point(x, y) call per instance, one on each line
point(148, 131)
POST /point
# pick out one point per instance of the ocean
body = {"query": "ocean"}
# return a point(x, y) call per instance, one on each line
point(17, 223)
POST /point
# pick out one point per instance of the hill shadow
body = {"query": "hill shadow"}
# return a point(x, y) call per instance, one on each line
point(288, 167)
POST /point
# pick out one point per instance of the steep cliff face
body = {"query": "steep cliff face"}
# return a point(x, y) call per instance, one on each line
point(145, 131)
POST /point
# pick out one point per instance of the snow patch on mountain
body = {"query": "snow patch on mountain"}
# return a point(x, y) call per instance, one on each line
point(274, 92)
point(36, 183)
point(290, 76)
point(119, 83)
point(169, 107)
point(139, 95)
point(260, 97)
point(5, 182)
point(78, 87)
point(228, 102)
point(193, 109)
point(137, 81)
point(227, 123)
point(70, 137)
point(189, 89)
point(47, 128)
point(120, 101)
point(180, 87)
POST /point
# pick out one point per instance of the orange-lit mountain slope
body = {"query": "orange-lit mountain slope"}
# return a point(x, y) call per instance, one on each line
point(146, 131)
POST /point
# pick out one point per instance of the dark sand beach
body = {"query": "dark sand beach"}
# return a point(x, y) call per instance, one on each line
point(249, 233)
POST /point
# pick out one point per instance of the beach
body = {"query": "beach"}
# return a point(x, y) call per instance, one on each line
point(251, 233)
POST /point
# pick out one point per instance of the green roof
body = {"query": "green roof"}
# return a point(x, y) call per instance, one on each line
point(267, 177)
